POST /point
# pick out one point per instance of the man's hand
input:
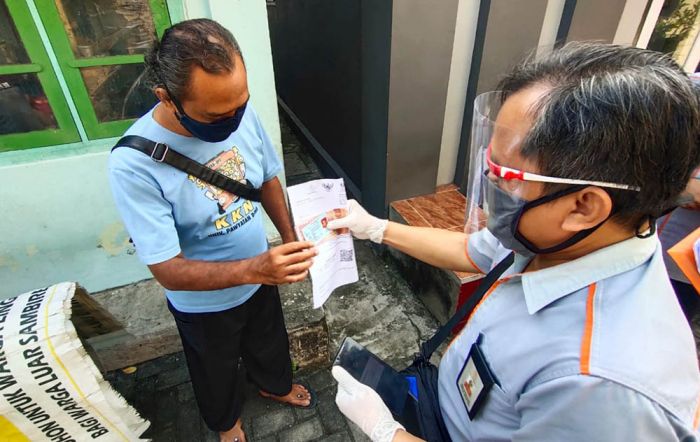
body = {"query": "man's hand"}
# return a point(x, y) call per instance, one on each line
point(361, 224)
point(437, 247)
point(364, 407)
point(283, 264)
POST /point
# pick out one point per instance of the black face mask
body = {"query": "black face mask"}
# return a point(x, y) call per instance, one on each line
point(577, 237)
point(214, 132)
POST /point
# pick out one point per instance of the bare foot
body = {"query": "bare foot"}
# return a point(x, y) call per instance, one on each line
point(299, 396)
point(235, 434)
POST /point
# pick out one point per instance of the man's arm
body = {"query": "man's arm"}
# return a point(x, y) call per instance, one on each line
point(274, 203)
point(441, 248)
point(437, 247)
point(279, 265)
point(148, 218)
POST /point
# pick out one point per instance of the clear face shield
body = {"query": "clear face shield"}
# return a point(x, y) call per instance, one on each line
point(484, 132)
point(498, 195)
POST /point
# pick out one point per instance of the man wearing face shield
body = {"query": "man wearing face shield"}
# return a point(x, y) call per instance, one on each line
point(207, 246)
point(572, 161)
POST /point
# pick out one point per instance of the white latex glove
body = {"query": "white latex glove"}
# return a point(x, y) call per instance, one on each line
point(361, 224)
point(364, 407)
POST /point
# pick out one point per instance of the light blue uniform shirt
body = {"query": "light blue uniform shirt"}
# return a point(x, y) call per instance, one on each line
point(167, 212)
point(596, 349)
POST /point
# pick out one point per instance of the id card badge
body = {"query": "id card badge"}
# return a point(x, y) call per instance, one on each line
point(316, 231)
point(475, 380)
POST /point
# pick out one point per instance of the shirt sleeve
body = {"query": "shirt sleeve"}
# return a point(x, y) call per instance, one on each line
point(586, 408)
point(272, 165)
point(482, 249)
point(147, 216)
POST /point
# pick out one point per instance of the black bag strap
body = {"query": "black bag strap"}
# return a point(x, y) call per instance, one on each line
point(162, 153)
point(429, 346)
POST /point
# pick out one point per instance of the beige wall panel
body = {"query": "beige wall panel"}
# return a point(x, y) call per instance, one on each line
point(596, 20)
point(513, 31)
point(421, 53)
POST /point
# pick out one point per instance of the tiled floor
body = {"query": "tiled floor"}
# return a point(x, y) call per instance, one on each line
point(161, 392)
point(444, 209)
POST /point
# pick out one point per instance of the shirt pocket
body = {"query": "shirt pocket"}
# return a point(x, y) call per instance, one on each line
point(498, 419)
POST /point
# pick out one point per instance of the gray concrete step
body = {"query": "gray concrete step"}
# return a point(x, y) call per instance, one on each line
point(150, 332)
point(380, 311)
point(437, 288)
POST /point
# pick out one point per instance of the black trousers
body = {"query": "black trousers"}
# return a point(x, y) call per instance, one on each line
point(214, 343)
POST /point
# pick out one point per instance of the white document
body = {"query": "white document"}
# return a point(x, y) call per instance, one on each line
point(314, 204)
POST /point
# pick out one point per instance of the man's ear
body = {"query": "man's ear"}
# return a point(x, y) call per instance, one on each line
point(590, 207)
point(164, 98)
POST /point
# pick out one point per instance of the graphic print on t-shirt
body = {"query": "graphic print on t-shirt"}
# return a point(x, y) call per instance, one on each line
point(229, 163)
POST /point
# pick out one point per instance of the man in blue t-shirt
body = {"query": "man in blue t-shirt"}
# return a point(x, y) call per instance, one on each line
point(206, 246)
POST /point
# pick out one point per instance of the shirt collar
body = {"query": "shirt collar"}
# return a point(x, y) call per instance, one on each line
point(545, 286)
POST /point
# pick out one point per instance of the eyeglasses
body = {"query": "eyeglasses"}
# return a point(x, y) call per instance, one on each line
point(509, 174)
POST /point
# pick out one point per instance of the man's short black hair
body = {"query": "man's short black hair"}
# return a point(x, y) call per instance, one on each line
point(617, 114)
point(198, 42)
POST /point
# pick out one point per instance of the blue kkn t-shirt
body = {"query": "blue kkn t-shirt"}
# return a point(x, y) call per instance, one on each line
point(167, 212)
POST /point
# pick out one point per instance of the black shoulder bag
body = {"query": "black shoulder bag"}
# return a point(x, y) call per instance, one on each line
point(420, 413)
point(162, 153)
point(423, 417)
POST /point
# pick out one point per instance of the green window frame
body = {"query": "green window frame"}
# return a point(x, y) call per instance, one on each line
point(40, 65)
point(70, 66)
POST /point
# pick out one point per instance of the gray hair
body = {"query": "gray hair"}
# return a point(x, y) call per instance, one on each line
point(198, 42)
point(615, 114)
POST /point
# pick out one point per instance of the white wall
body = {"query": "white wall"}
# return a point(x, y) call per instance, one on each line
point(630, 22)
point(465, 32)
point(550, 25)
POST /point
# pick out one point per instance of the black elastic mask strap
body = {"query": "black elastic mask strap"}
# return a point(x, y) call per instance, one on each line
point(563, 245)
point(180, 111)
point(652, 227)
point(175, 101)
